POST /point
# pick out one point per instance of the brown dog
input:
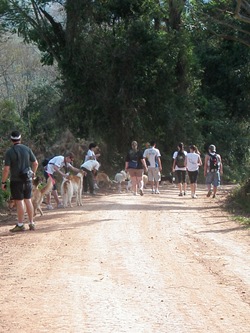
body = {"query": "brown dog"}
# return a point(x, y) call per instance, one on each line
point(38, 194)
point(102, 179)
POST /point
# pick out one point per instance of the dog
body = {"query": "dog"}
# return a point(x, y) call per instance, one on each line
point(38, 194)
point(102, 180)
point(70, 185)
point(128, 186)
point(145, 181)
point(119, 178)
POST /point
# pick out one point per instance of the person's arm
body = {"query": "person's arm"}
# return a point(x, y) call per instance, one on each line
point(174, 164)
point(144, 164)
point(159, 162)
point(57, 169)
point(73, 168)
point(199, 161)
point(34, 166)
point(185, 162)
point(5, 175)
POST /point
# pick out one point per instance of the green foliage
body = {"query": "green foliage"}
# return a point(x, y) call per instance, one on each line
point(4, 195)
point(10, 120)
point(139, 70)
point(9, 117)
point(41, 115)
point(239, 201)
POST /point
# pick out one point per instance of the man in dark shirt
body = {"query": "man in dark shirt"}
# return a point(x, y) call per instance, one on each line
point(17, 162)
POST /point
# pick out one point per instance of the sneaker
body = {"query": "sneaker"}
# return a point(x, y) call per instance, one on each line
point(180, 194)
point(157, 191)
point(184, 193)
point(141, 192)
point(17, 228)
point(213, 196)
point(32, 226)
point(153, 191)
point(96, 187)
point(195, 196)
point(209, 193)
point(49, 207)
point(134, 193)
point(60, 205)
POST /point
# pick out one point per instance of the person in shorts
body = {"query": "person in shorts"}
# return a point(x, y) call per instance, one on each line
point(193, 162)
point(20, 162)
point(212, 172)
point(180, 169)
point(135, 164)
point(153, 156)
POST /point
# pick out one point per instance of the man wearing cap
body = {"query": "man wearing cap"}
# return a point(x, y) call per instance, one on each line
point(213, 169)
point(17, 162)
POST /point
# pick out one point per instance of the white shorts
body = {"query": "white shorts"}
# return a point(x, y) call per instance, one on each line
point(154, 174)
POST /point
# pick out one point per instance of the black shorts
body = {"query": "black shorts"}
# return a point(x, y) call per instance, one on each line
point(193, 175)
point(181, 176)
point(20, 190)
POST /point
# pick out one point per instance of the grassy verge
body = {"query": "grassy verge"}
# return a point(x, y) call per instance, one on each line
point(238, 203)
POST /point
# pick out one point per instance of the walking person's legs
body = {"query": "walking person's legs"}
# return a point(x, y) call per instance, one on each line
point(179, 181)
point(184, 181)
point(30, 212)
point(20, 211)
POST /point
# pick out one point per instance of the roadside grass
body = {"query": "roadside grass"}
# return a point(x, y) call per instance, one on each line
point(238, 203)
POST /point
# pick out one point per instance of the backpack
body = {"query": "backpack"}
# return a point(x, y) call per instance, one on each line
point(46, 161)
point(214, 162)
point(180, 159)
point(133, 159)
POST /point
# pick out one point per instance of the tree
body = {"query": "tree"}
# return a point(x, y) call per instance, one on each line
point(116, 59)
point(223, 19)
point(242, 11)
point(21, 71)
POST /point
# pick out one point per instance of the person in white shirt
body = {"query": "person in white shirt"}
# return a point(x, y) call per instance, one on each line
point(193, 162)
point(89, 167)
point(153, 158)
point(91, 155)
point(54, 166)
point(180, 168)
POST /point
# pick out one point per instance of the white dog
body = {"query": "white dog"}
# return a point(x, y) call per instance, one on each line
point(119, 178)
point(129, 186)
point(145, 181)
point(71, 185)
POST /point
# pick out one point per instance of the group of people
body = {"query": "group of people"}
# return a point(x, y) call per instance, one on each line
point(137, 163)
point(55, 165)
point(21, 164)
point(189, 163)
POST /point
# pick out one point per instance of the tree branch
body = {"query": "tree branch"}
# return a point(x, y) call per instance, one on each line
point(246, 7)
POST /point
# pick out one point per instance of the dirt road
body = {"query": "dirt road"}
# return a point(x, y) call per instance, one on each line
point(126, 264)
